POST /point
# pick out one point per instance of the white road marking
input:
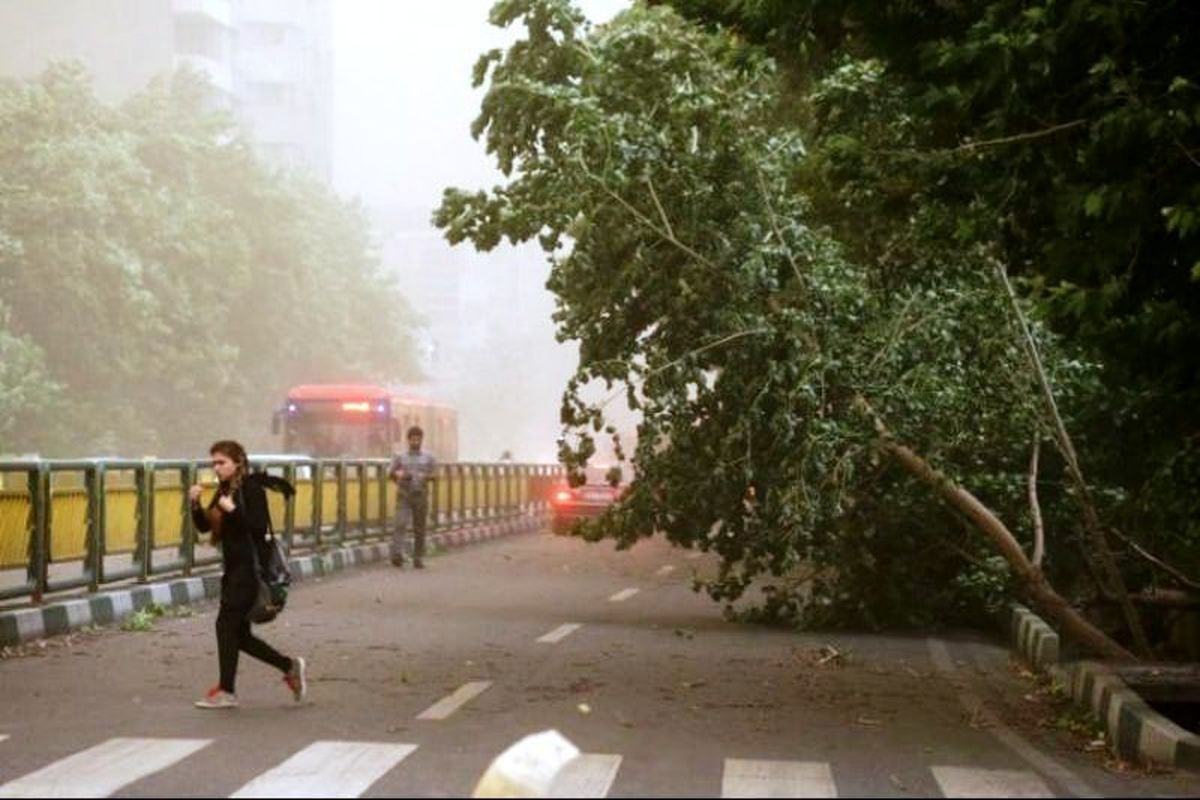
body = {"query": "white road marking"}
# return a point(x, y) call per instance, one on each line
point(754, 778)
point(328, 769)
point(101, 770)
point(666, 569)
point(622, 595)
point(1012, 740)
point(976, 782)
point(560, 633)
point(3, 736)
point(693, 556)
point(448, 705)
point(586, 775)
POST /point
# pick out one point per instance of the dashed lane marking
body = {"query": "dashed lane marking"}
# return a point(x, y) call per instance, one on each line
point(746, 777)
point(448, 705)
point(587, 775)
point(976, 782)
point(559, 633)
point(623, 595)
point(102, 770)
point(666, 569)
point(328, 769)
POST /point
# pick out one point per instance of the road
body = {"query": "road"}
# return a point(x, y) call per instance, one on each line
point(419, 679)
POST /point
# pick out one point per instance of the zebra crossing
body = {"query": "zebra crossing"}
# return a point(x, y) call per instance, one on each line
point(350, 768)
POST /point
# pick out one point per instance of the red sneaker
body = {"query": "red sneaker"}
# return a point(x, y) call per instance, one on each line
point(296, 679)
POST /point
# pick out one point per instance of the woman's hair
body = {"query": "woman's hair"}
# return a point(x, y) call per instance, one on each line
point(235, 453)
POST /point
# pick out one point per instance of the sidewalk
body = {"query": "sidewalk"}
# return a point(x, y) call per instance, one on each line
point(112, 606)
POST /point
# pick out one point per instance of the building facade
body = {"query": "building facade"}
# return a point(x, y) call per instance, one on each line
point(269, 60)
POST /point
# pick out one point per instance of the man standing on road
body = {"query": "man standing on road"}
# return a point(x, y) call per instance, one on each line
point(413, 472)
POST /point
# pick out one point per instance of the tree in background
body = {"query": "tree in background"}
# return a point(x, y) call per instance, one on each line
point(807, 414)
point(156, 276)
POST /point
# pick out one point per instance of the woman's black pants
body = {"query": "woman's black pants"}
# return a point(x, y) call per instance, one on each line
point(233, 635)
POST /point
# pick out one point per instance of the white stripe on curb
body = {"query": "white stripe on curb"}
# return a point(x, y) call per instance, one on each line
point(560, 633)
point(754, 778)
point(448, 705)
point(328, 769)
point(102, 770)
point(30, 624)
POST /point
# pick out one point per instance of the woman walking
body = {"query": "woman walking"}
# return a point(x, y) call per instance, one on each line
point(238, 518)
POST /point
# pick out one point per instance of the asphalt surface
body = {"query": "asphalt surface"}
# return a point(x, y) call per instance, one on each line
point(668, 697)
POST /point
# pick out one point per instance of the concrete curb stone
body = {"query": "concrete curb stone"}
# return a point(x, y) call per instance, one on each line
point(114, 606)
point(1134, 730)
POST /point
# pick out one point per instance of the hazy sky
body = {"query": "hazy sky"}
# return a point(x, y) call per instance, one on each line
point(403, 98)
point(403, 108)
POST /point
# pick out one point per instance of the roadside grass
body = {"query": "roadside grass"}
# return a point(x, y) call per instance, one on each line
point(144, 619)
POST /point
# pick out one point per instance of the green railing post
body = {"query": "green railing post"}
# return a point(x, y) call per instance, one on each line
point(435, 501)
point(460, 485)
point(363, 502)
point(318, 510)
point(144, 553)
point(40, 506)
point(289, 507)
point(384, 511)
point(187, 529)
point(485, 508)
point(96, 527)
point(342, 523)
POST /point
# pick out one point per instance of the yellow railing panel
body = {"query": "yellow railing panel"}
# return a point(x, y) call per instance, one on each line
point(473, 496)
point(373, 500)
point(14, 527)
point(329, 501)
point(304, 502)
point(68, 524)
point(120, 519)
point(443, 493)
point(353, 502)
point(168, 516)
point(277, 506)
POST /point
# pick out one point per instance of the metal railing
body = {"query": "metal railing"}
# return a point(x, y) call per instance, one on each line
point(71, 524)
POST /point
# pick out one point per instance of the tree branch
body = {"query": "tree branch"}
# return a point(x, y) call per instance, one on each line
point(987, 523)
point(762, 187)
point(1020, 137)
point(662, 212)
point(1112, 573)
point(667, 234)
point(1158, 562)
point(1035, 509)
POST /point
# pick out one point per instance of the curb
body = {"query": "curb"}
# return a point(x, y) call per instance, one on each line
point(1134, 730)
point(110, 607)
point(1033, 639)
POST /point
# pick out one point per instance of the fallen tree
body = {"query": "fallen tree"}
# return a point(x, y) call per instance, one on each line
point(649, 161)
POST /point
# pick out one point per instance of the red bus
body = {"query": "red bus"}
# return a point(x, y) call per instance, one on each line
point(362, 421)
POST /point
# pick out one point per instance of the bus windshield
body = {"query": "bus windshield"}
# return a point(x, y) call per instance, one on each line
point(332, 436)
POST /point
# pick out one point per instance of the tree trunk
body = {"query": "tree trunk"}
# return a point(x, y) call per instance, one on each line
point(1041, 594)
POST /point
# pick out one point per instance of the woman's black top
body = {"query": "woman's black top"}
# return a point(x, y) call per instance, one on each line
point(247, 522)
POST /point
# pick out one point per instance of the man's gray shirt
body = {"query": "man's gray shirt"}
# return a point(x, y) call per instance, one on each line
point(418, 468)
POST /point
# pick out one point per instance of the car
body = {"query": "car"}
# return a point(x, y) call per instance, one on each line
point(570, 504)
